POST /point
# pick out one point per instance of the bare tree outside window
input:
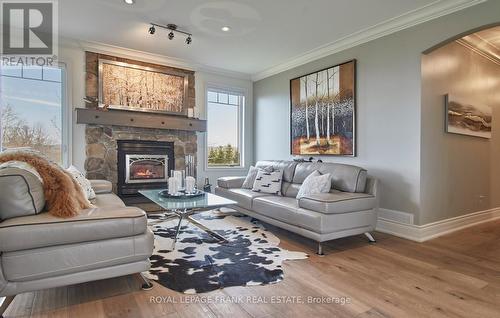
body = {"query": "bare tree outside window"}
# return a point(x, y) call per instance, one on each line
point(31, 110)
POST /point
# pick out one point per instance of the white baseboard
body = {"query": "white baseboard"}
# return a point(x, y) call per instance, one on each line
point(401, 224)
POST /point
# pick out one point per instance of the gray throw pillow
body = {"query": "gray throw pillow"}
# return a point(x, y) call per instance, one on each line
point(315, 183)
point(252, 174)
point(22, 190)
point(268, 182)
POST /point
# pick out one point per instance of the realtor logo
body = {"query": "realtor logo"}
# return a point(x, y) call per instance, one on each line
point(29, 28)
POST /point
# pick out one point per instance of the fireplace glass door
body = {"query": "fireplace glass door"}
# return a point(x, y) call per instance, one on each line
point(146, 168)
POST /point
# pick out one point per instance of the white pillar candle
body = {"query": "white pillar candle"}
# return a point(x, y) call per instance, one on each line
point(178, 176)
point(190, 182)
point(172, 186)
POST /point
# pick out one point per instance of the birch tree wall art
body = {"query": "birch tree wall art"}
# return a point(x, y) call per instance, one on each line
point(323, 112)
point(131, 87)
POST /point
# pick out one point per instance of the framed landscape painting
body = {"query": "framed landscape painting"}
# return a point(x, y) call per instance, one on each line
point(465, 118)
point(138, 88)
point(323, 112)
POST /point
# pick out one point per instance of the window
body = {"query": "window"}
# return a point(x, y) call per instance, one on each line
point(32, 111)
point(224, 125)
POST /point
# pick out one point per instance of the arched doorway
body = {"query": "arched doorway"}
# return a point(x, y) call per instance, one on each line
point(460, 125)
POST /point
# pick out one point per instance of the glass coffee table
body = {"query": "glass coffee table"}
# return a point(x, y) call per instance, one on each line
point(185, 208)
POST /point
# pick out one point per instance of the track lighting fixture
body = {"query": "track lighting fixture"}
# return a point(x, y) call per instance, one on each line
point(173, 29)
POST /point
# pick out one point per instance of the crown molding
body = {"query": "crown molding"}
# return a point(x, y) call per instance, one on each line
point(426, 13)
point(108, 49)
point(473, 43)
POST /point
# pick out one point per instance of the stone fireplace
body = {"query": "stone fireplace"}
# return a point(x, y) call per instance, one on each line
point(136, 150)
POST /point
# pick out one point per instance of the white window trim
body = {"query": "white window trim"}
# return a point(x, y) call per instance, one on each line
point(241, 125)
point(67, 118)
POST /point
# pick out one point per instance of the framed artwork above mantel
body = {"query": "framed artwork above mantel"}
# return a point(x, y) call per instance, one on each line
point(133, 87)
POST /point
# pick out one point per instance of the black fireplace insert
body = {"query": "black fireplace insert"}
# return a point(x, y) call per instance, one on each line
point(143, 165)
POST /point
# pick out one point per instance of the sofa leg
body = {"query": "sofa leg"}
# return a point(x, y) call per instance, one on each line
point(4, 304)
point(147, 284)
point(370, 237)
point(320, 249)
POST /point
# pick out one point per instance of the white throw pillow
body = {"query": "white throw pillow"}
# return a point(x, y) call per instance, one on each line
point(83, 182)
point(268, 182)
point(252, 174)
point(315, 183)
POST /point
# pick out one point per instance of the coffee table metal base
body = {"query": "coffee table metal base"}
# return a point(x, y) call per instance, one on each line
point(186, 215)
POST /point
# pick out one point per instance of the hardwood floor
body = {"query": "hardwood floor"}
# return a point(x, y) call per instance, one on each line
point(457, 275)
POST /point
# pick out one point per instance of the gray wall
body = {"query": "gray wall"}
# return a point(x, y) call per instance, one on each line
point(459, 173)
point(389, 105)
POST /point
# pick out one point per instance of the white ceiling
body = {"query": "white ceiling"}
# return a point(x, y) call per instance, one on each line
point(265, 34)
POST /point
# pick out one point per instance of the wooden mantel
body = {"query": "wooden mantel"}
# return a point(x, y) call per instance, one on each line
point(138, 119)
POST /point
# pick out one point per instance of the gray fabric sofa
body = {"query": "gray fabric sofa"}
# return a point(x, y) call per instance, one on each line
point(42, 251)
point(350, 208)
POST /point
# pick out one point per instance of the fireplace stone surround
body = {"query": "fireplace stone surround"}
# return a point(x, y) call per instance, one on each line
point(102, 147)
point(103, 129)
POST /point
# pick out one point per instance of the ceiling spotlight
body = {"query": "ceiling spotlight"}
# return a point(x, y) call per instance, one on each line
point(226, 28)
point(171, 35)
point(129, 1)
point(152, 30)
point(189, 40)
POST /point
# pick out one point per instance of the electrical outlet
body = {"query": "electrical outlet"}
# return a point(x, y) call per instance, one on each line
point(482, 198)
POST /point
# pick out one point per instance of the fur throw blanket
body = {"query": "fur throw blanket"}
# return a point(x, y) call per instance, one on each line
point(63, 196)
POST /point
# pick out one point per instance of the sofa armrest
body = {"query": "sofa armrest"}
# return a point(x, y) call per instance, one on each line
point(230, 182)
point(338, 202)
point(101, 186)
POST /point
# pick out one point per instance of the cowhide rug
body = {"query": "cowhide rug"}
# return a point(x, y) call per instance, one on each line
point(200, 263)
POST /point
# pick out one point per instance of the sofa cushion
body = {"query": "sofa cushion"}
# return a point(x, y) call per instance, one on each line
point(21, 190)
point(287, 210)
point(101, 186)
point(338, 202)
point(288, 167)
point(268, 182)
point(289, 189)
point(344, 177)
point(244, 197)
point(230, 182)
point(43, 229)
point(27, 265)
point(108, 200)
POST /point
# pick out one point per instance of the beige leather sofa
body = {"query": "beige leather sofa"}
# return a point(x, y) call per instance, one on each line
point(42, 251)
point(349, 209)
